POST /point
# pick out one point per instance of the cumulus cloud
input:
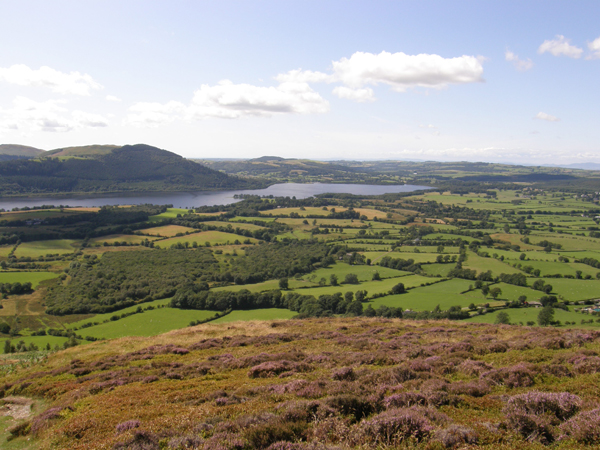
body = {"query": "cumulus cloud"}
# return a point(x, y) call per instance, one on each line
point(402, 71)
point(29, 115)
point(112, 98)
point(232, 101)
point(63, 83)
point(547, 117)
point(153, 114)
point(594, 47)
point(520, 64)
point(304, 76)
point(560, 47)
point(427, 126)
point(358, 95)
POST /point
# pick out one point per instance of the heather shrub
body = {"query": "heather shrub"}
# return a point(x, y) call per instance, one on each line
point(587, 364)
point(351, 405)
point(305, 411)
point(393, 427)
point(584, 427)
point(126, 426)
point(474, 368)
point(472, 388)
point(314, 389)
point(535, 414)
point(263, 435)
point(519, 375)
point(456, 435)
point(185, 442)
point(272, 368)
point(141, 440)
point(345, 373)
point(405, 400)
point(558, 370)
point(42, 421)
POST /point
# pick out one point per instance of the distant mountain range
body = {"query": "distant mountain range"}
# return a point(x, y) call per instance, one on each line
point(108, 168)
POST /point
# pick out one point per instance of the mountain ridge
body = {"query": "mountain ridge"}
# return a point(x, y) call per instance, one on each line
point(138, 167)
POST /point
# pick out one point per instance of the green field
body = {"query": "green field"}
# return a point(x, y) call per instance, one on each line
point(437, 269)
point(444, 293)
point(36, 249)
point(148, 323)
point(257, 314)
point(524, 315)
point(480, 264)
point(171, 213)
point(575, 290)
point(213, 237)
point(23, 277)
point(120, 238)
point(102, 317)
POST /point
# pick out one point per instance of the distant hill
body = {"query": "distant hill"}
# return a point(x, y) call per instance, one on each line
point(112, 169)
point(15, 151)
point(86, 151)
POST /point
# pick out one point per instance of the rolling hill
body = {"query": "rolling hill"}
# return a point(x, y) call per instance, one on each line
point(15, 151)
point(111, 169)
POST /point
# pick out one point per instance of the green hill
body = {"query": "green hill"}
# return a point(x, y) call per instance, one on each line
point(86, 151)
point(15, 151)
point(111, 169)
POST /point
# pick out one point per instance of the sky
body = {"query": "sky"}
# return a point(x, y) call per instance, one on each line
point(497, 81)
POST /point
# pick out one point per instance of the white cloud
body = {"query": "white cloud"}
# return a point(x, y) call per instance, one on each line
point(232, 101)
point(427, 126)
point(28, 115)
point(560, 46)
point(358, 95)
point(64, 83)
point(402, 71)
point(594, 47)
point(520, 64)
point(548, 117)
point(304, 76)
point(112, 98)
point(153, 113)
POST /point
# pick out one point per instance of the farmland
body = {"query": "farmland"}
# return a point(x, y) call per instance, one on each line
point(111, 281)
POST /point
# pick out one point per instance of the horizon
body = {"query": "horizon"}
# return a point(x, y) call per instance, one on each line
point(500, 82)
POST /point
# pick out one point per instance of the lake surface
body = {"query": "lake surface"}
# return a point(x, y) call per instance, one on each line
point(210, 198)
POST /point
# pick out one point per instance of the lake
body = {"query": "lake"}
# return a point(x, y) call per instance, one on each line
point(205, 198)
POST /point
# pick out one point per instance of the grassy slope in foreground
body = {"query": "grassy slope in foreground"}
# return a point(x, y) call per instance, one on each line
point(344, 383)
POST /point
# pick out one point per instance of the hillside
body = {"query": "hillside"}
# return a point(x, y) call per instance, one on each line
point(111, 169)
point(351, 383)
point(446, 175)
point(85, 151)
point(14, 151)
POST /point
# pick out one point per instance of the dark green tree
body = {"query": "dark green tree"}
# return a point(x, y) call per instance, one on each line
point(545, 316)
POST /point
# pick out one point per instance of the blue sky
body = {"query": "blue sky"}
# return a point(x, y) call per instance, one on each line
point(506, 81)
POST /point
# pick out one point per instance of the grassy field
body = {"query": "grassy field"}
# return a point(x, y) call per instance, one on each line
point(307, 211)
point(437, 269)
point(213, 237)
point(42, 248)
point(102, 317)
point(23, 277)
point(256, 314)
point(242, 226)
point(480, 264)
point(148, 323)
point(168, 230)
point(111, 239)
point(170, 213)
point(575, 290)
point(524, 315)
point(444, 293)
